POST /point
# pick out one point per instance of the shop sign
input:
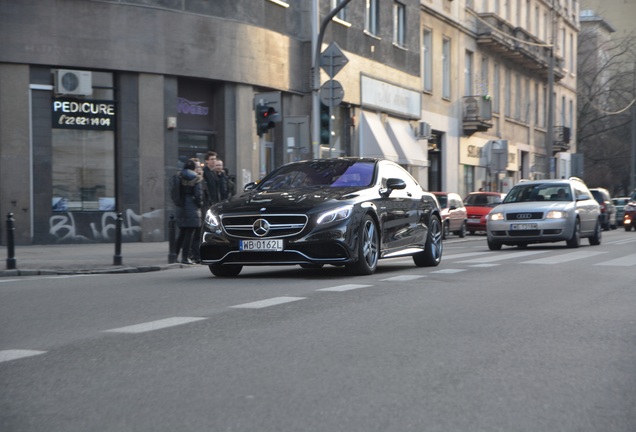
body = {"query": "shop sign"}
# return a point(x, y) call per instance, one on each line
point(83, 114)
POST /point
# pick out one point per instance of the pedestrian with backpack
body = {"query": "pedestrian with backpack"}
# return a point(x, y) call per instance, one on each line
point(187, 194)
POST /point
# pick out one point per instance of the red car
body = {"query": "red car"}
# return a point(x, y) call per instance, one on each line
point(478, 205)
point(453, 214)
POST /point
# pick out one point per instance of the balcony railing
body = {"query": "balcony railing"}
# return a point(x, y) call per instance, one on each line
point(477, 114)
point(517, 45)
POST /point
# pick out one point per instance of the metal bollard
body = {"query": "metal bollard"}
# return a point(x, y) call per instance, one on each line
point(172, 256)
point(11, 262)
point(117, 257)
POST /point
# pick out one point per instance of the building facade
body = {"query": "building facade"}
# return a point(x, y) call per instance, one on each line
point(102, 101)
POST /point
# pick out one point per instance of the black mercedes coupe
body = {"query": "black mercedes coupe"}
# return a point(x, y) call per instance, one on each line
point(344, 212)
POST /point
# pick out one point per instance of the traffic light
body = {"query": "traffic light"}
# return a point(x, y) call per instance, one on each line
point(265, 118)
point(325, 131)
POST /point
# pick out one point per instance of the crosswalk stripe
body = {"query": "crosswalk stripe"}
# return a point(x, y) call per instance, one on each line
point(499, 257)
point(466, 255)
point(403, 278)
point(8, 355)
point(341, 288)
point(154, 325)
point(626, 261)
point(558, 259)
point(268, 302)
point(448, 271)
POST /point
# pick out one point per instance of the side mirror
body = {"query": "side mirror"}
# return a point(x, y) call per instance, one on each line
point(249, 186)
point(395, 183)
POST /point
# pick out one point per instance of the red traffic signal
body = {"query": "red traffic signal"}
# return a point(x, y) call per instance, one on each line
point(265, 118)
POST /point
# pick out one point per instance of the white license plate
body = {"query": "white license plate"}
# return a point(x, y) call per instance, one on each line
point(472, 220)
point(523, 226)
point(261, 245)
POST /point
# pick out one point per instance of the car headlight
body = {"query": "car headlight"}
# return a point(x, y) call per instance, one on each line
point(556, 214)
point(212, 220)
point(341, 213)
point(497, 216)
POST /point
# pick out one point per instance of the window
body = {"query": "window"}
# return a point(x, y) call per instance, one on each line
point(536, 104)
point(518, 97)
point(371, 18)
point(399, 24)
point(485, 76)
point(468, 74)
point(427, 60)
point(537, 21)
point(83, 158)
point(507, 85)
point(342, 15)
point(495, 88)
point(446, 69)
point(526, 100)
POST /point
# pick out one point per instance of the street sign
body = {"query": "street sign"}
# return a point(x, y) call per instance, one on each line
point(331, 93)
point(332, 59)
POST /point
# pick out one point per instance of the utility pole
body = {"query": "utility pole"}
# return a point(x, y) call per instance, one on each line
point(549, 138)
point(632, 176)
point(316, 44)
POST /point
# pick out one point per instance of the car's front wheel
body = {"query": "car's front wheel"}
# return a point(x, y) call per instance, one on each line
point(595, 240)
point(368, 248)
point(229, 270)
point(431, 256)
point(446, 230)
point(492, 245)
point(462, 230)
point(575, 240)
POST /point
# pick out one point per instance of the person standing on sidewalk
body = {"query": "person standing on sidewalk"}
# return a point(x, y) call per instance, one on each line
point(211, 180)
point(189, 214)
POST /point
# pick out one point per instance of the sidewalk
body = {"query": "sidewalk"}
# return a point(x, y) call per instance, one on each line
point(32, 260)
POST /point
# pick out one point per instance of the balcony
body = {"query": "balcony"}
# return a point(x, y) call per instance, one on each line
point(517, 45)
point(477, 114)
point(561, 140)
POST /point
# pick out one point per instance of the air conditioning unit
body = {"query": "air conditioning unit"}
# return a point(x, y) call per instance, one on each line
point(73, 82)
point(423, 130)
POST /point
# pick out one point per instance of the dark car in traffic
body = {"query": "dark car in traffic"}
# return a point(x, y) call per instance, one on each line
point(608, 209)
point(347, 212)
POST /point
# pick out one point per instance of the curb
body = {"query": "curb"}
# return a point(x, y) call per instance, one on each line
point(117, 270)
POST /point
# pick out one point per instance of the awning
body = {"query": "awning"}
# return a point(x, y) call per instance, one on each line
point(374, 140)
point(410, 151)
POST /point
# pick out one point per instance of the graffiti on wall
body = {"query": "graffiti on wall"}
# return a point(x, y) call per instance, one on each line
point(101, 227)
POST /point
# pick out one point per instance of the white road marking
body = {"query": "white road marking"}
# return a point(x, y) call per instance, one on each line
point(466, 255)
point(269, 302)
point(155, 325)
point(566, 257)
point(9, 355)
point(341, 288)
point(449, 271)
point(403, 278)
point(626, 261)
point(485, 265)
point(503, 256)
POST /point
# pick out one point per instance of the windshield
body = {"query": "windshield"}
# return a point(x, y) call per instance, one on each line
point(339, 173)
point(482, 200)
point(539, 192)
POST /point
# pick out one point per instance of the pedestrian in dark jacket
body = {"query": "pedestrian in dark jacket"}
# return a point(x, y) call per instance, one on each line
point(189, 215)
point(211, 180)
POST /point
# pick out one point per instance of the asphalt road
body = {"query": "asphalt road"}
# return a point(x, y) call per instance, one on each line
point(536, 339)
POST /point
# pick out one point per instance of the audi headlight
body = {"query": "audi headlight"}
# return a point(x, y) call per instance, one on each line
point(341, 213)
point(556, 214)
point(497, 216)
point(212, 220)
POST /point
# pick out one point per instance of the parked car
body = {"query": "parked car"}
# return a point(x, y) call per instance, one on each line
point(608, 210)
point(542, 211)
point(629, 218)
point(344, 212)
point(453, 214)
point(620, 203)
point(478, 205)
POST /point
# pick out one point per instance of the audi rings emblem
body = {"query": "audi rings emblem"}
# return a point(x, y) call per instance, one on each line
point(260, 227)
point(524, 216)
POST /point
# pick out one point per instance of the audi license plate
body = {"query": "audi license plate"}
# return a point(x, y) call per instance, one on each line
point(261, 245)
point(523, 226)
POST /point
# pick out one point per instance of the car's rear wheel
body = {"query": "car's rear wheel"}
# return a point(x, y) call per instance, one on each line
point(431, 256)
point(368, 248)
point(446, 230)
point(229, 270)
point(462, 230)
point(492, 245)
point(628, 227)
point(595, 240)
point(575, 240)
